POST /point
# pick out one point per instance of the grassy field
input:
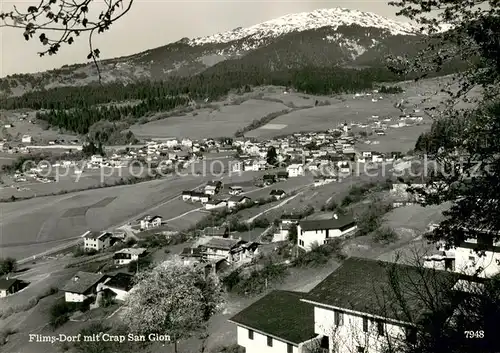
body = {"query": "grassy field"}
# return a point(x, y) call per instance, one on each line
point(223, 121)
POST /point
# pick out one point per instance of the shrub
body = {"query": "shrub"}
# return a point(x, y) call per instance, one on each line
point(7, 265)
point(320, 254)
point(61, 311)
point(385, 235)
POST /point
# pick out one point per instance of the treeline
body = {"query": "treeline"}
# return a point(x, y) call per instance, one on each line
point(81, 119)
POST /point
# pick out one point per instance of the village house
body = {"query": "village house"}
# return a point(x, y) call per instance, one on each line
point(350, 305)
point(10, 286)
point(282, 176)
point(237, 166)
point(126, 256)
point(233, 250)
point(213, 187)
point(97, 241)
point(277, 194)
point(474, 257)
point(235, 201)
point(199, 197)
point(270, 325)
point(149, 222)
point(186, 195)
point(82, 286)
point(215, 204)
point(26, 139)
point(347, 312)
point(319, 229)
point(295, 170)
point(119, 286)
point(235, 190)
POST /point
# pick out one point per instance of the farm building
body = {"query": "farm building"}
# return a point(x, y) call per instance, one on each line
point(82, 286)
point(10, 286)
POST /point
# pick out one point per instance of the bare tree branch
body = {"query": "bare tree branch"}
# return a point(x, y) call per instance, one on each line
point(59, 22)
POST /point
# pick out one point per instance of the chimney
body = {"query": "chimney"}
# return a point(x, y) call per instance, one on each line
point(335, 216)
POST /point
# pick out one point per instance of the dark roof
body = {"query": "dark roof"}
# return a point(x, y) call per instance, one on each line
point(198, 194)
point(480, 247)
point(82, 282)
point(98, 235)
point(223, 243)
point(277, 192)
point(191, 252)
point(7, 283)
point(238, 198)
point(364, 286)
point(280, 314)
point(121, 281)
point(342, 221)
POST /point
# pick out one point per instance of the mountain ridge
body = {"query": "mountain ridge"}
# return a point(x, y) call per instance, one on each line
point(321, 38)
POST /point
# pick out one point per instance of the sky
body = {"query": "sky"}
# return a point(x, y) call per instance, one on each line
point(153, 23)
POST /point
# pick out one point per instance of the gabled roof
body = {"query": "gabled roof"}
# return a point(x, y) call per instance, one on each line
point(279, 314)
point(122, 281)
point(277, 192)
point(366, 286)
point(5, 284)
point(238, 198)
point(223, 243)
point(99, 235)
point(341, 222)
point(82, 282)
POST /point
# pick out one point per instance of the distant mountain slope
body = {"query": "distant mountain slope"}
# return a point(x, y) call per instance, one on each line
point(329, 37)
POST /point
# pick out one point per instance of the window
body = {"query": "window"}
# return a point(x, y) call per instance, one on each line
point(339, 318)
point(250, 334)
point(380, 328)
point(289, 348)
point(365, 324)
point(472, 258)
point(411, 335)
point(360, 349)
point(269, 341)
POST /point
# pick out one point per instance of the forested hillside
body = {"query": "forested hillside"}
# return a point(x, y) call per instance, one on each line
point(75, 108)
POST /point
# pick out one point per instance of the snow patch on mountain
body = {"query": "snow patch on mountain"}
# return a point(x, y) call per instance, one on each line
point(304, 21)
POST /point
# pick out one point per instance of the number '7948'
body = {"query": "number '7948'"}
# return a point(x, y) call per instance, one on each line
point(474, 334)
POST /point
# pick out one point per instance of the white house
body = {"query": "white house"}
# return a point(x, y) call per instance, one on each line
point(82, 286)
point(320, 229)
point(149, 222)
point(271, 325)
point(351, 304)
point(97, 241)
point(120, 285)
point(481, 258)
point(237, 166)
point(224, 248)
point(26, 139)
point(235, 190)
point(186, 195)
point(126, 256)
point(295, 170)
point(235, 201)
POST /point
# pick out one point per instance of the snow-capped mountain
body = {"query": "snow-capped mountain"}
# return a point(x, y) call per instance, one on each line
point(321, 39)
point(305, 21)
